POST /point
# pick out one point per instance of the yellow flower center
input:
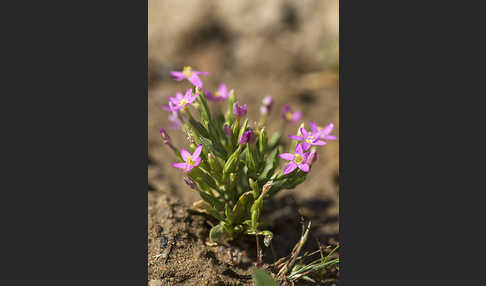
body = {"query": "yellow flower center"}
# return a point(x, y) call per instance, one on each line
point(189, 161)
point(298, 159)
point(187, 71)
point(310, 139)
point(288, 115)
point(216, 94)
point(183, 102)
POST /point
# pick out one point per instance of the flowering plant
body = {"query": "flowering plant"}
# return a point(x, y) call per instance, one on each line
point(235, 166)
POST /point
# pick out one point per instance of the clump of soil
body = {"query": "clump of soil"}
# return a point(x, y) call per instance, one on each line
point(179, 251)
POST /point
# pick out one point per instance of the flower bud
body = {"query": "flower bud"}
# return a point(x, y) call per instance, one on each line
point(164, 135)
point(247, 137)
point(190, 183)
point(267, 105)
point(268, 101)
point(227, 130)
point(312, 157)
point(239, 111)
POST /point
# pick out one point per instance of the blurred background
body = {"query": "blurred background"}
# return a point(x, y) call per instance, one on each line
point(286, 49)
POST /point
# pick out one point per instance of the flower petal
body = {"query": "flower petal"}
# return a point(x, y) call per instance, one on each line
point(289, 168)
point(197, 152)
point(287, 156)
point(328, 129)
point(166, 107)
point(304, 167)
point(304, 132)
point(188, 168)
point(296, 117)
point(295, 137)
point(177, 75)
point(185, 154)
point(306, 145)
point(201, 73)
point(173, 100)
point(298, 149)
point(188, 94)
point(285, 109)
point(197, 161)
point(179, 165)
point(222, 90)
point(329, 137)
point(314, 127)
point(319, 143)
point(195, 80)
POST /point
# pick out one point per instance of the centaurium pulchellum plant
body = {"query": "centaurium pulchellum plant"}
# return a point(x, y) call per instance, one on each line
point(235, 166)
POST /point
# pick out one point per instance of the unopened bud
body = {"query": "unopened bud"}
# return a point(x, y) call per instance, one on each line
point(190, 183)
point(247, 137)
point(268, 102)
point(227, 130)
point(165, 136)
point(312, 157)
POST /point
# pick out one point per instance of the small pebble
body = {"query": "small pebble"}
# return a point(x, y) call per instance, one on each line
point(157, 229)
point(163, 242)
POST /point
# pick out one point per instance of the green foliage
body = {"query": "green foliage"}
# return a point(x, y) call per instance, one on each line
point(262, 278)
point(234, 179)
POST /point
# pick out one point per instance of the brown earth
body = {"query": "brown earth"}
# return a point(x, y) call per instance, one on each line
point(279, 48)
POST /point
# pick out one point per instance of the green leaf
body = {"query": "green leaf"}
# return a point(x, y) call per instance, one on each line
point(274, 140)
point(205, 112)
point(211, 200)
point(262, 278)
point(241, 210)
point(242, 129)
point(217, 233)
point(232, 162)
point(208, 144)
point(251, 158)
point(198, 128)
point(272, 162)
point(262, 142)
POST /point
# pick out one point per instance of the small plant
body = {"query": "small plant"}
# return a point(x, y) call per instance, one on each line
point(232, 163)
point(293, 267)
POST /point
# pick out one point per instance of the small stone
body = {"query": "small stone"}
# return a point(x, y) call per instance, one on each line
point(163, 242)
point(157, 229)
point(155, 283)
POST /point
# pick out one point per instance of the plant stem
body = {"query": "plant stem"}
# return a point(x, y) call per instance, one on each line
point(259, 252)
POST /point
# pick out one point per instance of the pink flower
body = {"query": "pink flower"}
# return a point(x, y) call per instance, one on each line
point(190, 161)
point(308, 138)
point(190, 75)
point(289, 116)
point(325, 131)
point(220, 95)
point(267, 105)
point(297, 160)
point(239, 111)
point(180, 101)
